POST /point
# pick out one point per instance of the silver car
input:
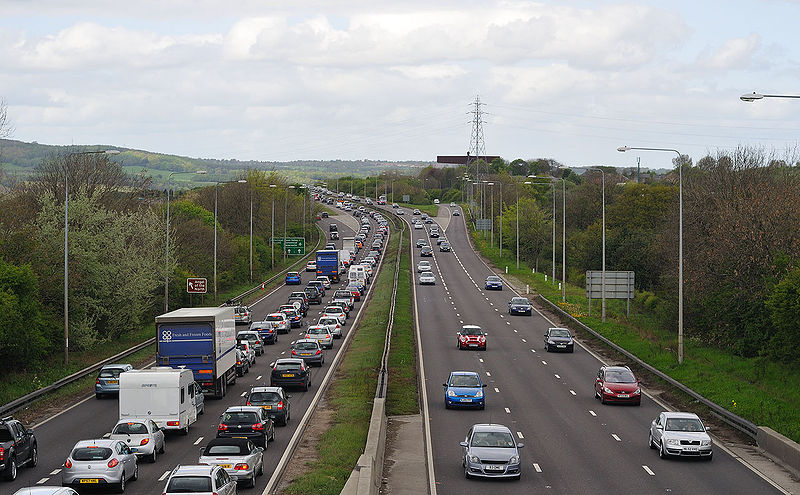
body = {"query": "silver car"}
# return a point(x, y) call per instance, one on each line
point(336, 312)
point(490, 451)
point(424, 266)
point(333, 325)
point(427, 278)
point(46, 490)
point(100, 462)
point(239, 457)
point(200, 480)
point(680, 434)
point(321, 334)
point(107, 382)
point(144, 438)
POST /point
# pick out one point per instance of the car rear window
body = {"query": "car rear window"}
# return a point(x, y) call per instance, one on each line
point(226, 450)
point(274, 318)
point(317, 331)
point(91, 453)
point(110, 373)
point(264, 397)
point(341, 293)
point(305, 345)
point(189, 484)
point(240, 418)
point(130, 429)
point(5, 435)
point(288, 366)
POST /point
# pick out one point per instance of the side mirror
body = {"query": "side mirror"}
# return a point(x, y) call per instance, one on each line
point(260, 449)
point(659, 427)
point(107, 435)
point(202, 451)
point(463, 444)
point(708, 428)
point(288, 396)
point(484, 385)
point(444, 384)
point(520, 445)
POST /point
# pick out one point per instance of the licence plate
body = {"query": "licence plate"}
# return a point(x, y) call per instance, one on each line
point(465, 400)
point(623, 396)
point(267, 407)
point(133, 449)
point(91, 480)
point(288, 375)
point(227, 466)
point(561, 345)
point(473, 345)
point(306, 354)
point(112, 381)
point(493, 467)
point(691, 449)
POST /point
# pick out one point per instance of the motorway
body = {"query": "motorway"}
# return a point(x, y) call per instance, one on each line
point(573, 444)
point(91, 418)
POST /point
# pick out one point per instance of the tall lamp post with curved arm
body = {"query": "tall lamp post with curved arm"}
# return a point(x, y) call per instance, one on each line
point(66, 240)
point(623, 149)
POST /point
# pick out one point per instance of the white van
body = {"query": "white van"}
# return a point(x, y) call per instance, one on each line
point(168, 396)
point(358, 272)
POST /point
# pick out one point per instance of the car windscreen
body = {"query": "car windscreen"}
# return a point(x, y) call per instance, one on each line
point(558, 332)
point(464, 381)
point(492, 439)
point(264, 397)
point(91, 453)
point(684, 424)
point(519, 300)
point(274, 318)
point(226, 450)
point(189, 484)
point(471, 331)
point(427, 274)
point(305, 346)
point(620, 377)
point(110, 373)
point(239, 418)
point(131, 428)
point(342, 293)
point(493, 279)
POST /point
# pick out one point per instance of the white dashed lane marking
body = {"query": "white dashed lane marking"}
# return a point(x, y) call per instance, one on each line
point(258, 377)
point(592, 413)
point(557, 376)
point(649, 471)
point(544, 362)
point(488, 374)
point(525, 341)
point(572, 392)
point(480, 359)
point(200, 439)
point(508, 411)
point(537, 468)
point(55, 471)
point(42, 481)
point(615, 437)
point(243, 394)
point(519, 434)
point(497, 390)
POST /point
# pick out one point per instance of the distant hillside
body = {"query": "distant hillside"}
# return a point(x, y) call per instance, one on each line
point(20, 158)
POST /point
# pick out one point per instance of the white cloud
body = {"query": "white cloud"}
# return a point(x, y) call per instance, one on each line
point(735, 53)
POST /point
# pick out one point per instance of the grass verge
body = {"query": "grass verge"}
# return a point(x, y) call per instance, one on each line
point(401, 395)
point(351, 394)
point(756, 389)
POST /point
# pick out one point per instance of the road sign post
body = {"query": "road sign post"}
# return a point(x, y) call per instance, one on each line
point(196, 285)
point(618, 285)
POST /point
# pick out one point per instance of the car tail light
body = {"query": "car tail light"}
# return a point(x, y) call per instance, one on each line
point(280, 405)
point(319, 351)
point(112, 463)
point(144, 441)
point(222, 427)
point(248, 403)
point(294, 352)
point(173, 423)
point(258, 427)
point(241, 466)
point(238, 363)
point(68, 464)
point(97, 382)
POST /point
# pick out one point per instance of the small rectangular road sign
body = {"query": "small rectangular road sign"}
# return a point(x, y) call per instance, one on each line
point(196, 285)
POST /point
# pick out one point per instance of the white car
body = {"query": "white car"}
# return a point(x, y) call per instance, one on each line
point(143, 437)
point(200, 479)
point(321, 334)
point(452, 205)
point(311, 266)
point(436, 201)
point(418, 226)
point(680, 434)
point(336, 312)
point(424, 266)
point(367, 267)
point(333, 325)
point(427, 278)
point(326, 282)
point(370, 260)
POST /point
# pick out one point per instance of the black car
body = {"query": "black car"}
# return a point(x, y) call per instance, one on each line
point(444, 247)
point(434, 233)
point(18, 447)
point(303, 304)
point(426, 251)
point(268, 334)
point(274, 400)
point(421, 242)
point(314, 295)
point(558, 339)
point(519, 306)
point(334, 236)
point(333, 228)
point(324, 214)
point(251, 422)
point(242, 364)
point(289, 372)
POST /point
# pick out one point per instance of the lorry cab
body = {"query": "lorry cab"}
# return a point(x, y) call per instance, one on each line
point(167, 396)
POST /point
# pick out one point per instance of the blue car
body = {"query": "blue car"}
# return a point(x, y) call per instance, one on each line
point(493, 282)
point(293, 278)
point(464, 389)
point(107, 382)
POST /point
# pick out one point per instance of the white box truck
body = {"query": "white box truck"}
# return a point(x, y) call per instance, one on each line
point(202, 340)
point(349, 244)
point(166, 395)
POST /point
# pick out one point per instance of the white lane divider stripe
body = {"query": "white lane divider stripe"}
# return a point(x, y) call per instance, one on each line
point(519, 434)
point(572, 392)
point(525, 341)
point(480, 359)
point(258, 377)
point(557, 376)
point(164, 476)
point(615, 437)
point(42, 481)
point(55, 471)
point(544, 362)
point(592, 413)
point(537, 468)
point(497, 390)
point(243, 394)
point(649, 471)
point(488, 374)
point(508, 411)
point(199, 439)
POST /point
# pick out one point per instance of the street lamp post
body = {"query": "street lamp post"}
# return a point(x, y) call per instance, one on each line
point(563, 232)
point(491, 241)
point(272, 227)
point(285, 206)
point(304, 216)
point(501, 219)
point(623, 149)
point(66, 240)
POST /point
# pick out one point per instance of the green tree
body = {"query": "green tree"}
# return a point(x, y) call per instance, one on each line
point(784, 308)
point(23, 339)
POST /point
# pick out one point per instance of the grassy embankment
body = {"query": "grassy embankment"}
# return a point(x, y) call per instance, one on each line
point(352, 392)
point(761, 391)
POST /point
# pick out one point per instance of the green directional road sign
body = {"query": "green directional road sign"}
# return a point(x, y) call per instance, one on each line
point(294, 245)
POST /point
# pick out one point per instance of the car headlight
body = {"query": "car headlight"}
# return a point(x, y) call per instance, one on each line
point(607, 390)
point(673, 441)
point(637, 391)
point(474, 458)
point(450, 393)
point(479, 393)
point(705, 443)
point(550, 341)
point(514, 460)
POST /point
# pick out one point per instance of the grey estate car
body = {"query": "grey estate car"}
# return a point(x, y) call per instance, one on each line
point(490, 451)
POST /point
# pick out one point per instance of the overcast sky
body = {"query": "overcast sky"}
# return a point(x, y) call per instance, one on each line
point(278, 80)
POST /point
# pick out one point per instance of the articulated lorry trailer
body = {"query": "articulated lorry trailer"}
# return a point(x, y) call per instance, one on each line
point(328, 264)
point(202, 340)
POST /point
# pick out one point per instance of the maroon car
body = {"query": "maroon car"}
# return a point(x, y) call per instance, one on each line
point(617, 384)
point(472, 337)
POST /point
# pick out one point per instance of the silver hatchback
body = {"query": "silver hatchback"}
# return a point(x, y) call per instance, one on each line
point(239, 457)
point(144, 437)
point(100, 462)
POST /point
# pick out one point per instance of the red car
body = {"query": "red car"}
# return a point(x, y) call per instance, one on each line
point(471, 337)
point(617, 384)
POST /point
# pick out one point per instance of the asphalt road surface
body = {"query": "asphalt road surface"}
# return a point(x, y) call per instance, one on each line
point(92, 418)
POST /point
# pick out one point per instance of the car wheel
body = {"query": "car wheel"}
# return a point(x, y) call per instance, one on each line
point(11, 470)
point(662, 453)
point(260, 467)
point(121, 485)
point(710, 457)
point(135, 473)
point(650, 441)
point(163, 447)
point(33, 460)
point(602, 399)
point(251, 483)
point(153, 456)
point(466, 473)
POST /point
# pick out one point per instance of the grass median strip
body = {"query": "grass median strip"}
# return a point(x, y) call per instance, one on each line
point(351, 394)
point(756, 389)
